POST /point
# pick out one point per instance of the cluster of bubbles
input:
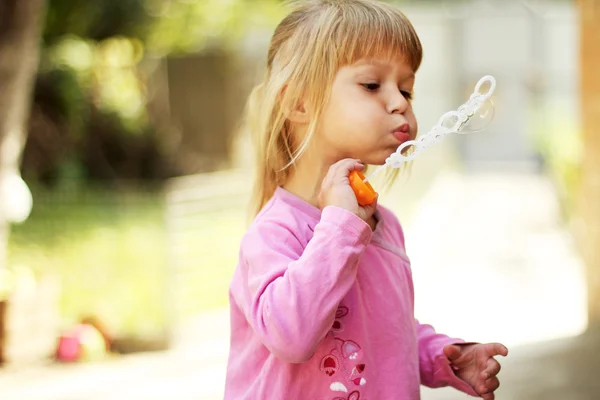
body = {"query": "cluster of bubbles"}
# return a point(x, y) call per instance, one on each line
point(473, 116)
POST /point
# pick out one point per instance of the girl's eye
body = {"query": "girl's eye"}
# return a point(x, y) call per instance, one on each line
point(371, 87)
point(407, 95)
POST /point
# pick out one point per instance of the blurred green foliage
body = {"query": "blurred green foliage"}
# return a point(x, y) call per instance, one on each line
point(92, 142)
point(91, 93)
point(110, 251)
point(107, 248)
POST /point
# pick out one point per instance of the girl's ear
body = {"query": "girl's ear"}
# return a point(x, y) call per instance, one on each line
point(296, 113)
point(299, 114)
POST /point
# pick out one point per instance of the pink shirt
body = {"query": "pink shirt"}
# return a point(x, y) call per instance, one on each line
point(322, 309)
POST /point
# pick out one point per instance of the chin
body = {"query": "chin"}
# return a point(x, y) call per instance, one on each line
point(376, 157)
point(374, 160)
point(381, 162)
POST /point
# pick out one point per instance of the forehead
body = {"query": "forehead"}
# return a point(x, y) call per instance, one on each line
point(396, 65)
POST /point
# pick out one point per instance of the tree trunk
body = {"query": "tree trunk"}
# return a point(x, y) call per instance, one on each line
point(20, 29)
point(589, 17)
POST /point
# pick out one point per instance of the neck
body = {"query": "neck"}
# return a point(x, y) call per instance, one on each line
point(306, 176)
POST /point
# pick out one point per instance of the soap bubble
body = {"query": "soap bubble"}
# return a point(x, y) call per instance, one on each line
point(480, 120)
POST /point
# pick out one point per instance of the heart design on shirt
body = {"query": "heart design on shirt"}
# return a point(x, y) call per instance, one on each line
point(356, 377)
point(330, 364)
point(359, 381)
point(353, 396)
point(341, 312)
point(337, 326)
point(350, 349)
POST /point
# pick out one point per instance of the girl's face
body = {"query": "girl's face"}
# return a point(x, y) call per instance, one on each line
point(369, 113)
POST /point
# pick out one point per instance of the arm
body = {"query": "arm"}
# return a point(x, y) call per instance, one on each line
point(433, 364)
point(291, 294)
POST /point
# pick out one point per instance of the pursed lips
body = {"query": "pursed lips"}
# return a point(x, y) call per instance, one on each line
point(402, 133)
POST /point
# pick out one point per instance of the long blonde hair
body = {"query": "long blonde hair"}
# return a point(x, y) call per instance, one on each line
point(307, 49)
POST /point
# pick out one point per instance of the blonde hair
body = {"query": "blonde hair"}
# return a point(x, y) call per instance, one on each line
point(307, 49)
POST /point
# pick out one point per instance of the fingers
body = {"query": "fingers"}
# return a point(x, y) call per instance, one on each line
point(335, 187)
point(496, 349)
point(492, 369)
point(452, 352)
point(371, 207)
point(490, 382)
point(340, 171)
point(486, 390)
point(342, 168)
point(478, 357)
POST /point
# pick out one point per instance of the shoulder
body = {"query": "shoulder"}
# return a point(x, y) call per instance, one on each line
point(278, 227)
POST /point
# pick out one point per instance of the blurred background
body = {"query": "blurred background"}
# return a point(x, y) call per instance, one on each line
point(125, 175)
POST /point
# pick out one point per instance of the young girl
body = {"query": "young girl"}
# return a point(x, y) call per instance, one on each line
point(322, 297)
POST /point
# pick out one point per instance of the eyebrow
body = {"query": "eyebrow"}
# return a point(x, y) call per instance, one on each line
point(381, 64)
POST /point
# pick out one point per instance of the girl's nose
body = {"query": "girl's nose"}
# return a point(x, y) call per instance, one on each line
point(397, 103)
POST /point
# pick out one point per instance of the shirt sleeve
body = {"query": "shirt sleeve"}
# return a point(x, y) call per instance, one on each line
point(291, 293)
point(434, 366)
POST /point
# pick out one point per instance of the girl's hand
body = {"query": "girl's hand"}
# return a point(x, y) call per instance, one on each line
point(336, 190)
point(475, 364)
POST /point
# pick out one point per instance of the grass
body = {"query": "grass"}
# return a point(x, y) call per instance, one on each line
point(204, 259)
point(114, 258)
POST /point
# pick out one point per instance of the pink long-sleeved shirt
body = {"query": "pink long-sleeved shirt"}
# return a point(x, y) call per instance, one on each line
point(322, 309)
